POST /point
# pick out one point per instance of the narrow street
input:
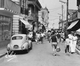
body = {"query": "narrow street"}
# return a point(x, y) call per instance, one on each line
point(41, 55)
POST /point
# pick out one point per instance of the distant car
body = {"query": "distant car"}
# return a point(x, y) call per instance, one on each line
point(19, 42)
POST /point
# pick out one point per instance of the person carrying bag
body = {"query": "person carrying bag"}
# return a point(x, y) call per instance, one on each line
point(54, 44)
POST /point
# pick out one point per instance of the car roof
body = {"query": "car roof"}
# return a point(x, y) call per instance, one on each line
point(19, 35)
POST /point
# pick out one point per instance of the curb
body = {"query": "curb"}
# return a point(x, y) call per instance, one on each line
point(3, 52)
point(3, 55)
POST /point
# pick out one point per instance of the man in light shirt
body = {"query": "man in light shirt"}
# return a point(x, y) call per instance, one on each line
point(67, 45)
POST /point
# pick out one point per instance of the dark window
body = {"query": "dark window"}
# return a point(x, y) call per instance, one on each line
point(17, 38)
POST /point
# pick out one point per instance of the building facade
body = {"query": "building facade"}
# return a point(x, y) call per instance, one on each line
point(44, 17)
point(72, 17)
point(7, 10)
point(29, 11)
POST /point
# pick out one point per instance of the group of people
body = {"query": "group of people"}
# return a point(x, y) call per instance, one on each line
point(37, 36)
point(70, 42)
point(55, 38)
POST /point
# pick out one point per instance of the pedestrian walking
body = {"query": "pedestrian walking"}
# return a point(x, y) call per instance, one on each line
point(48, 35)
point(75, 38)
point(67, 45)
point(37, 37)
point(54, 43)
point(42, 37)
point(71, 41)
point(58, 37)
point(30, 35)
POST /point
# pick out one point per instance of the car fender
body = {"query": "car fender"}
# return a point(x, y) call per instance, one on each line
point(25, 45)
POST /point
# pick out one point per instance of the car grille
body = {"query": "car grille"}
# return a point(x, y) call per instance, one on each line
point(16, 46)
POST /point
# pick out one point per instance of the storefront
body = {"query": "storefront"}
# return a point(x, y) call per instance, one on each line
point(75, 25)
point(5, 27)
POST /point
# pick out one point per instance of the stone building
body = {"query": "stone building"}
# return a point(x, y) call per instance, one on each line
point(7, 9)
point(44, 17)
point(29, 11)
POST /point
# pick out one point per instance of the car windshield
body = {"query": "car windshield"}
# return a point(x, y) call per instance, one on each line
point(17, 38)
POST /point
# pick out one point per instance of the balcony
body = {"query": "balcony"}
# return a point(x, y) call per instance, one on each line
point(32, 17)
point(7, 6)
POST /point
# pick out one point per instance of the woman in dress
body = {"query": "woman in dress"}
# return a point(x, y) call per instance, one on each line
point(75, 38)
point(71, 41)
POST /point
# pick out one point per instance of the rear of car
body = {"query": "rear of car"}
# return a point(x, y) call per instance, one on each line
point(18, 42)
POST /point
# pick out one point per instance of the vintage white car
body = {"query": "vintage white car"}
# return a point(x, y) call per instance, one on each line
point(19, 42)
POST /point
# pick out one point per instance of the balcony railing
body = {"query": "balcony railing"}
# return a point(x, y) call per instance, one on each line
point(8, 4)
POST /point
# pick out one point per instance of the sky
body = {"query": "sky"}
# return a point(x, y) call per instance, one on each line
point(55, 10)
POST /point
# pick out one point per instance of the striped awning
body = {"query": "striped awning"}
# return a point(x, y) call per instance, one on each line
point(26, 23)
point(72, 25)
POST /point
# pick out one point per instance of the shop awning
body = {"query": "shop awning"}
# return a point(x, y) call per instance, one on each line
point(24, 22)
point(27, 25)
point(72, 25)
point(78, 30)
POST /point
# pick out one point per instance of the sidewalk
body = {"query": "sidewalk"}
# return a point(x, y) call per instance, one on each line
point(3, 45)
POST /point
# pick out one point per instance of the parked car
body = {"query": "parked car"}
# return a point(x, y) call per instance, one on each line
point(19, 42)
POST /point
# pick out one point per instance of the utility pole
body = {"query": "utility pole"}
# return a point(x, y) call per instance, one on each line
point(67, 13)
point(67, 4)
point(66, 32)
point(62, 17)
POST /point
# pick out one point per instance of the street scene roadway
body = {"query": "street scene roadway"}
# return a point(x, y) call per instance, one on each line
point(41, 55)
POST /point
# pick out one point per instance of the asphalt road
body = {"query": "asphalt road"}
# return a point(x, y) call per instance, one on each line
point(41, 55)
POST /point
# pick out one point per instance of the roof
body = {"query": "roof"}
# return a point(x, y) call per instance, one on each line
point(19, 35)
